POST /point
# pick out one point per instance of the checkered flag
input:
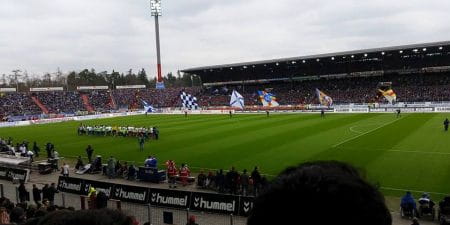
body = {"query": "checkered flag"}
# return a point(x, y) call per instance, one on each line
point(188, 101)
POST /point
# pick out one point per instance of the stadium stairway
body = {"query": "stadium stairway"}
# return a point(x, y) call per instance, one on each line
point(112, 101)
point(39, 104)
point(86, 103)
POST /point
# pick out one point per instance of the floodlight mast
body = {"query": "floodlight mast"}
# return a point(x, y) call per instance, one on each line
point(155, 7)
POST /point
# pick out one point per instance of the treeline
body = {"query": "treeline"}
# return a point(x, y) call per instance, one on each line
point(86, 77)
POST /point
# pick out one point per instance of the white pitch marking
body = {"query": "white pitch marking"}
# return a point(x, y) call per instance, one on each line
point(362, 134)
point(399, 150)
point(355, 131)
point(415, 191)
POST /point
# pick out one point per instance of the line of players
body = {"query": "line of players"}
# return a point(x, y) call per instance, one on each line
point(127, 131)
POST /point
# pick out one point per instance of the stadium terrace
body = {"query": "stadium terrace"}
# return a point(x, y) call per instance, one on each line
point(416, 73)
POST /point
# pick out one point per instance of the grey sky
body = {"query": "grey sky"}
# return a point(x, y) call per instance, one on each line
point(42, 35)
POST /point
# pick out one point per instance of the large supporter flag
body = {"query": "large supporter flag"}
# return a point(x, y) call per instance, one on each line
point(147, 107)
point(324, 99)
point(389, 95)
point(267, 99)
point(188, 101)
point(237, 100)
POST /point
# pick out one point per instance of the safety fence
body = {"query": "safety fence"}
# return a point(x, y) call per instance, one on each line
point(156, 215)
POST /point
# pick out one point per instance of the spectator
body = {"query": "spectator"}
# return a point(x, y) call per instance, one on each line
point(415, 221)
point(36, 194)
point(231, 180)
point(79, 164)
point(89, 152)
point(17, 216)
point(111, 167)
point(408, 202)
point(45, 192)
point(184, 174)
point(23, 193)
point(425, 199)
point(48, 149)
point(131, 172)
point(51, 193)
point(65, 170)
point(4, 216)
point(92, 204)
point(171, 173)
point(201, 179)
point(322, 193)
point(444, 206)
point(191, 220)
point(102, 200)
point(97, 217)
point(244, 182)
point(36, 149)
point(256, 177)
point(210, 180)
point(220, 181)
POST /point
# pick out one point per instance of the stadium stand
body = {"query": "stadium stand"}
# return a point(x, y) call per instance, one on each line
point(18, 104)
point(418, 73)
point(430, 87)
point(61, 102)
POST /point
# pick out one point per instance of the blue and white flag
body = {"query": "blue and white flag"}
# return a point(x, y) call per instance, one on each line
point(268, 99)
point(237, 100)
point(147, 107)
point(188, 101)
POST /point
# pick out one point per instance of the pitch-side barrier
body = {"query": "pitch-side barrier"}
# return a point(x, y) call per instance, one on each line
point(349, 108)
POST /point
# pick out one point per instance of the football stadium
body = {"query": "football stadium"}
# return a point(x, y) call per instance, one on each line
point(359, 135)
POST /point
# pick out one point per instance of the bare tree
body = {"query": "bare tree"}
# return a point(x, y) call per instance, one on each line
point(16, 76)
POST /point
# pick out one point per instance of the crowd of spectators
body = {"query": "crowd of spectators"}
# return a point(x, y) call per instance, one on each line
point(169, 97)
point(101, 100)
point(233, 182)
point(61, 101)
point(409, 88)
point(45, 213)
point(17, 103)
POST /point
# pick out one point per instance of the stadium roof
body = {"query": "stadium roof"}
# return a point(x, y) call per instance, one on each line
point(320, 56)
point(367, 62)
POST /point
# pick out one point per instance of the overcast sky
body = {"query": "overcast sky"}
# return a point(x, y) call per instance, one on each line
point(41, 35)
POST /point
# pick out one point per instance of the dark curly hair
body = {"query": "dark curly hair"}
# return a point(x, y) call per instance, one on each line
point(321, 192)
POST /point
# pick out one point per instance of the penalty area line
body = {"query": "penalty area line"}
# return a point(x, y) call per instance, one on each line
point(362, 134)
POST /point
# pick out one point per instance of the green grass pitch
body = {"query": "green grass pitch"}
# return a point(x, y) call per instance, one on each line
point(407, 153)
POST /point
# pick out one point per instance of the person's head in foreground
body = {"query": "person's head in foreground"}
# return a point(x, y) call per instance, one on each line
point(322, 192)
point(85, 217)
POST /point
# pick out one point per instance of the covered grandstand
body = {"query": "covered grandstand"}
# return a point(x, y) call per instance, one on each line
point(405, 59)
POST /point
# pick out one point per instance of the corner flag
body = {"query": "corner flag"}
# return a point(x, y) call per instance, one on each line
point(237, 100)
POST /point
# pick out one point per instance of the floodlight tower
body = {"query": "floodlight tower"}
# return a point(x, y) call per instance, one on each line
point(155, 7)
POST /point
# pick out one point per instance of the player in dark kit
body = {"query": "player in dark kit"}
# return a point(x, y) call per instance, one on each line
point(231, 115)
point(185, 113)
point(322, 113)
point(398, 113)
point(267, 113)
point(446, 122)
